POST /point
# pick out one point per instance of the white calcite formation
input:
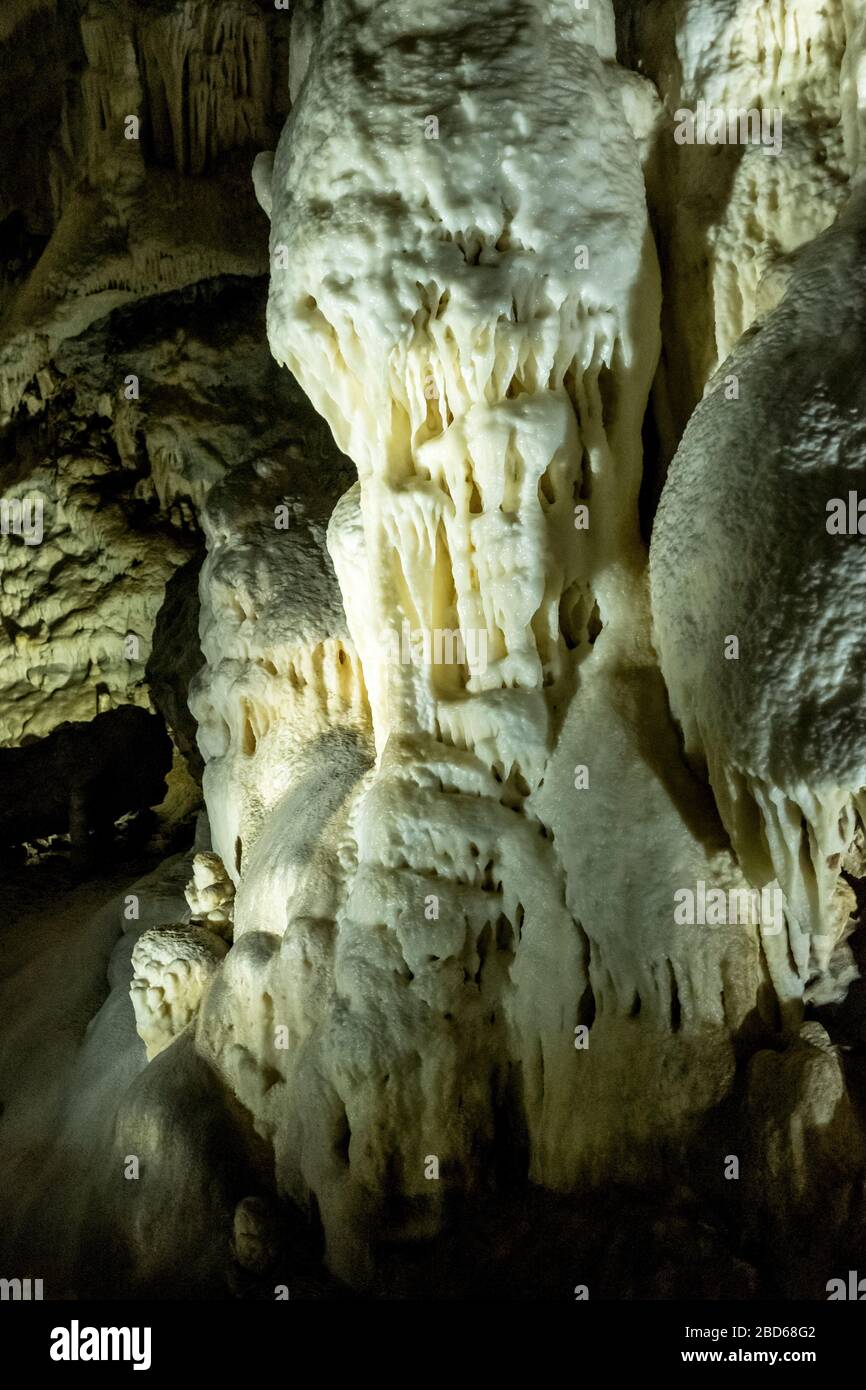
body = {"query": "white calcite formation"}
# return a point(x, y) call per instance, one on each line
point(172, 968)
point(472, 938)
point(759, 584)
point(282, 677)
point(495, 783)
point(733, 212)
point(210, 894)
point(781, 59)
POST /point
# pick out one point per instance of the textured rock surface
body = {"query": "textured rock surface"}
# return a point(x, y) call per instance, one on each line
point(781, 724)
point(731, 216)
point(421, 1000)
point(112, 418)
point(173, 967)
point(454, 936)
point(210, 894)
point(121, 211)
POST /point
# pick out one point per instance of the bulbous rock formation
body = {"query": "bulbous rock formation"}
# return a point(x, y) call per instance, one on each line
point(465, 284)
point(172, 968)
point(779, 718)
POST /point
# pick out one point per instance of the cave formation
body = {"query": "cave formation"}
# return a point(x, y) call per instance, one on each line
point(433, 662)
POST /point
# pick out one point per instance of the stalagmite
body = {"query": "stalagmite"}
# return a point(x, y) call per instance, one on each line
point(172, 968)
point(464, 282)
point(210, 895)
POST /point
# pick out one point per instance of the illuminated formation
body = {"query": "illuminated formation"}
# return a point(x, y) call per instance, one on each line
point(477, 523)
point(471, 937)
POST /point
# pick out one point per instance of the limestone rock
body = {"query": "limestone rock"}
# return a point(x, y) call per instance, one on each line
point(422, 945)
point(524, 905)
point(210, 894)
point(173, 966)
point(765, 662)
